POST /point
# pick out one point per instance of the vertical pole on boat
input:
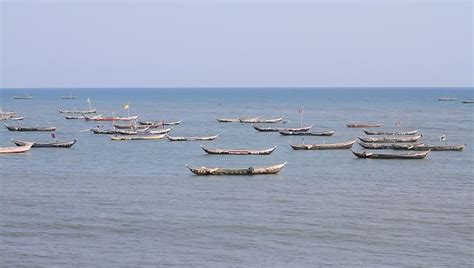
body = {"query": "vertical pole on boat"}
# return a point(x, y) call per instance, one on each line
point(301, 111)
point(90, 106)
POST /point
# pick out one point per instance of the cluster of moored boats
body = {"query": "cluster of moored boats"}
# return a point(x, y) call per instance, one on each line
point(130, 128)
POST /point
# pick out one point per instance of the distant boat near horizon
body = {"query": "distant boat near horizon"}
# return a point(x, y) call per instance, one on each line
point(448, 98)
point(68, 97)
point(468, 101)
point(24, 97)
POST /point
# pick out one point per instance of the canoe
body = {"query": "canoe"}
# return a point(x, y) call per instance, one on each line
point(365, 154)
point(375, 145)
point(17, 118)
point(18, 128)
point(92, 111)
point(237, 171)
point(398, 133)
point(323, 146)
point(160, 131)
point(306, 133)
point(11, 117)
point(104, 131)
point(227, 120)
point(19, 149)
point(391, 139)
point(258, 120)
point(447, 99)
point(74, 117)
point(110, 118)
point(238, 151)
point(160, 123)
point(363, 125)
point(205, 138)
point(65, 144)
point(70, 97)
point(468, 101)
point(425, 147)
point(276, 129)
point(137, 137)
point(129, 126)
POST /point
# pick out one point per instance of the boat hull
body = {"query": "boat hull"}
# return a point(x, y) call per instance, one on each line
point(205, 171)
point(406, 156)
point(329, 146)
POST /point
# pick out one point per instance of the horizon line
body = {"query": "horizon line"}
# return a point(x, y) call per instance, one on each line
point(241, 87)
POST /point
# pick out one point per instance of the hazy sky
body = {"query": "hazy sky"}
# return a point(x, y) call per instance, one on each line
point(74, 43)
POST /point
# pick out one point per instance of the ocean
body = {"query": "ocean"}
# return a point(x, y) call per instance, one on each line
point(111, 203)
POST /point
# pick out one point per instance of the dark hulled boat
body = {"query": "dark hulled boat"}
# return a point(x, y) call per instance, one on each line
point(236, 171)
point(398, 133)
point(391, 139)
point(324, 146)
point(306, 133)
point(363, 125)
point(160, 123)
point(425, 147)
point(375, 145)
point(65, 144)
point(258, 120)
point(19, 128)
point(277, 129)
point(204, 138)
point(238, 151)
point(371, 155)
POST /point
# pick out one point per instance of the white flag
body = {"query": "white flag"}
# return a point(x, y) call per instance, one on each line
point(88, 100)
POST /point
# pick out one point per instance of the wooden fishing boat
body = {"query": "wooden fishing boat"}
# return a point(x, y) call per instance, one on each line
point(11, 117)
point(365, 154)
point(19, 149)
point(160, 131)
point(468, 101)
point(391, 139)
point(98, 130)
point(137, 137)
point(18, 128)
point(398, 133)
point(425, 147)
point(238, 151)
point(26, 97)
point(375, 145)
point(90, 111)
point(69, 117)
point(227, 120)
point(7, 113)
point(110, 118)
point(306, 133)
point(64, 144)
point(323, 146)
point(258, 120)
point(449, 98)
point(237, 171)
point(363, 125)
point(132, 126)
point(205, 138)
point(19, 118)
point(277, 129)
point(160, 123)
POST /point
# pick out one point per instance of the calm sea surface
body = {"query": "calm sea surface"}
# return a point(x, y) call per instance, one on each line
point(105, 203)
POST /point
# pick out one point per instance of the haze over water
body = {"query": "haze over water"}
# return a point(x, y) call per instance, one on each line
point(134, 203)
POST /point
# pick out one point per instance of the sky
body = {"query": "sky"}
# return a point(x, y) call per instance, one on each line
point(230, 43)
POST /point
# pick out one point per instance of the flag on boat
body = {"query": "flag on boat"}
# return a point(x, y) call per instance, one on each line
point(88, 100)
point(443, 138)
point(398, 124)
point(126, 106)
point(300, 110)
